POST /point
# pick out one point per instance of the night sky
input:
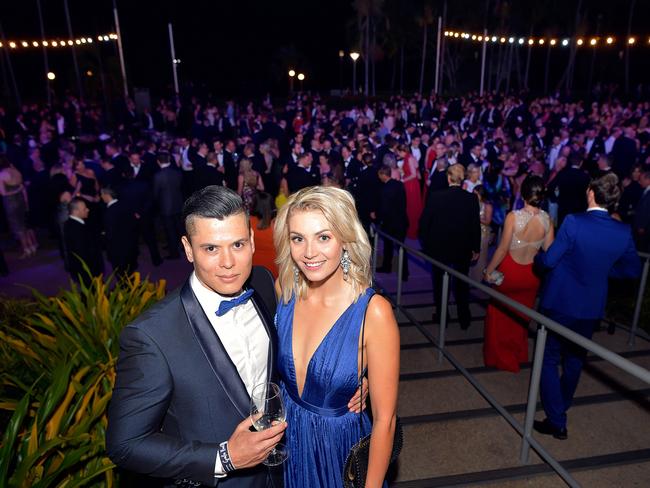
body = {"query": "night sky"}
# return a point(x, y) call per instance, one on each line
point(245, 47)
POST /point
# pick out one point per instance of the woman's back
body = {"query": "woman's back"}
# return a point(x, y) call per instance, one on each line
point(530, 231)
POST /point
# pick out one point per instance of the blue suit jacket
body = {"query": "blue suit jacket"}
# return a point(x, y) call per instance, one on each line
point(178, 394)
point(590, 247)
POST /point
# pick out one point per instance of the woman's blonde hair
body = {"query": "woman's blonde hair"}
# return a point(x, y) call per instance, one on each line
point(340, 212)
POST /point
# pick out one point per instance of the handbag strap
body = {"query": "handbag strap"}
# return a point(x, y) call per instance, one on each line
point(364, 371)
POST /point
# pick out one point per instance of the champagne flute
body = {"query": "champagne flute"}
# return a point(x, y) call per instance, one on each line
point(267, 409)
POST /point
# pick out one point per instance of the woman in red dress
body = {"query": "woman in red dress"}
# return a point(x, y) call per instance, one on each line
point(410, 177)
point(524, 232)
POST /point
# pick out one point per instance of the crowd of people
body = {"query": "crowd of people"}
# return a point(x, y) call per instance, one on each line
point(144, 169)
point(456, 174)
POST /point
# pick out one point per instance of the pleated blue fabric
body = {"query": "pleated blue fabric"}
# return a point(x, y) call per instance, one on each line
point(320, 429)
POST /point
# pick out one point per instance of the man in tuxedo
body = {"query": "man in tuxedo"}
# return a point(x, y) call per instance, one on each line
point(392, 216)
point(168, 196)
point(624, 153)
point(116, 158)
point(80, 243)
point(367, 192)
point(572, 184)
point(210, 174)
point(450, 232)
point(641, 223)
point(231, 165)
point(590, 247)
point(304, 174)
point(121, 234)
point(187, 366)
point(142, 170)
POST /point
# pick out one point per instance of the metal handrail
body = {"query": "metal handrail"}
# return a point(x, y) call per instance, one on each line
point(545, 323)
point(639, 297)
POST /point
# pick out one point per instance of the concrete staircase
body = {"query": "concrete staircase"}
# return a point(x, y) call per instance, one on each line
point(453, 437)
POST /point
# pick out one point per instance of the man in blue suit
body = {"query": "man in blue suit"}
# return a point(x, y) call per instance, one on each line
point(590, 248)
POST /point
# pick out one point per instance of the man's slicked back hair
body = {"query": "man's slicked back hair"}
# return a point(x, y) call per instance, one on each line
point(212, 202)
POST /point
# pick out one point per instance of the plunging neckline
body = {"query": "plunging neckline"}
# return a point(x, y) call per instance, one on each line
point(327, 334)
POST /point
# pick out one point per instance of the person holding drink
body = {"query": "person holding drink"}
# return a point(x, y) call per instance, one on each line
point(189, 365)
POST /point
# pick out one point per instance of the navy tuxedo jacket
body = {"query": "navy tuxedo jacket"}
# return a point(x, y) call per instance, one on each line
point(178, 395)
point(590, 247)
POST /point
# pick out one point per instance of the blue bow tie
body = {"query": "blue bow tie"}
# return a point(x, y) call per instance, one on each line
point(226, 305)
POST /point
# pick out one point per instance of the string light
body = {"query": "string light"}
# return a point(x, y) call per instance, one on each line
point(57, 43)
point(530, 41)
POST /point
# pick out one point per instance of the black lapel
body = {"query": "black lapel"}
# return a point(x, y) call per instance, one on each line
point(215, 353)
point(268, 321)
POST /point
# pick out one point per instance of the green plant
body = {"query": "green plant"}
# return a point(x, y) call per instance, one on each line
point(63, 351)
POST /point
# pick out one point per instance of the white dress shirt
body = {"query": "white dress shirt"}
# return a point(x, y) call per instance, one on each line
point(243, 336)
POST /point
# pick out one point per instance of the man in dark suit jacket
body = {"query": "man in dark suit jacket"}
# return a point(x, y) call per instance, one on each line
point(392, 216)
point(572, 184)
point(366, 194)
point(304, 174)
point(450, 232)
point(624, 153)
point(168, 197)
point(589, 248)
point(80, 243)
point(121, 234)
point(180, 406)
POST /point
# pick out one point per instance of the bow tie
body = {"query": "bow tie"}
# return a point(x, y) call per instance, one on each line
point(226, 305)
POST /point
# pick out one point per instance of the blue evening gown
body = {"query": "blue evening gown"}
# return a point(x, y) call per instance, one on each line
point(320, 429)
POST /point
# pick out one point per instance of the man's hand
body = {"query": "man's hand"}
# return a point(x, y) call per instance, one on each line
point(357, 404)
point(475, 256)
point(248, 449)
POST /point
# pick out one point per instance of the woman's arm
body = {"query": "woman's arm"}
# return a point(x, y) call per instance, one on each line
point(504, 245)
point(240, 184)
point(382, 343)
point(410, 160)
point(260, 183)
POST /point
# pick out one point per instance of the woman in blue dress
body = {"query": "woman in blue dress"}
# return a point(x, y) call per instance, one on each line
point(324, 289)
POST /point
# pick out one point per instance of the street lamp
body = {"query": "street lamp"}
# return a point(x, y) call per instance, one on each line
point(341, 56)
point(292, 75)
point(354, 55)
point(51, 76)
point(301, 78)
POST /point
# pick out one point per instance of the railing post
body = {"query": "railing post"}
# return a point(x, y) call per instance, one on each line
point(443, 314)
point(375, 243)
point(531, 406)
point(400, 268)
point(639, 302)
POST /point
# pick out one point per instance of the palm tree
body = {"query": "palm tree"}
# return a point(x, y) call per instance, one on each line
point(424, 20)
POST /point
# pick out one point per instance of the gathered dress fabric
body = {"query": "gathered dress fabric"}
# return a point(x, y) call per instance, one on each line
point(506, 331)
point(413, 200)
point(320, 429)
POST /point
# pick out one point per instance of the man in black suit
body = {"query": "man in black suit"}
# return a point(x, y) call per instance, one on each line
point(117, 159)
point(210, 174)
point(168, 196)
point(230, 165)
point(81, 244)
point(392, 216)
point(142, 170)
point(572, 183)
point(121, 234)
point(366, 195)
point(137, 195)
point(304, 174)
point(450, 232)
point(624, 153)
point(181, 402)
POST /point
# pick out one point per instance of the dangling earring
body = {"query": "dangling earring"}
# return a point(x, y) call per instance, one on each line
point(345, 264)
point(296, 275)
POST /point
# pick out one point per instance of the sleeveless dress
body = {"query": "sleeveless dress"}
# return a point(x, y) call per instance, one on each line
point(413, 200)
point(506, 331)
point(320, 428)
point(15, 209)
